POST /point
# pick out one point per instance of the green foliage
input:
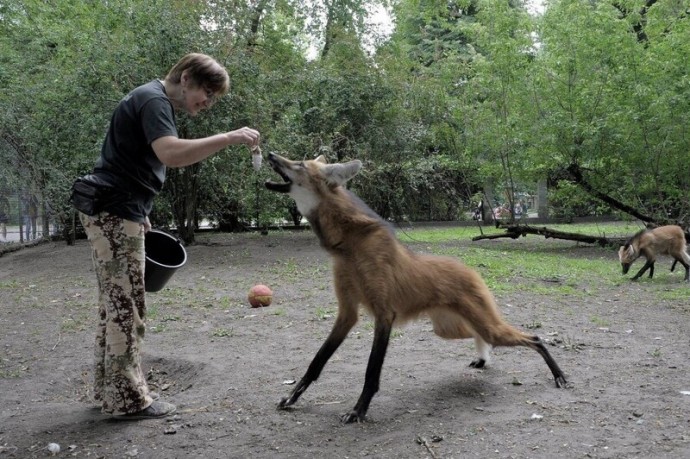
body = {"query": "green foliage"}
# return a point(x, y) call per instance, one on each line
point(465, 96)
point(612, 104)
point(569, 201)
point(434, 30)
point(432, 188)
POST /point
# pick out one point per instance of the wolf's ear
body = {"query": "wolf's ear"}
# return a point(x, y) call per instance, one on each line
point(628, 253)
point(321, 159)
point(339, 174)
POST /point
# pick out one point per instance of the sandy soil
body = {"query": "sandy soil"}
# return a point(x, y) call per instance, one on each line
point(625, 352)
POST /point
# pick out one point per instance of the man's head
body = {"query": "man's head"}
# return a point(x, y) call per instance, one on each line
point(201, 79)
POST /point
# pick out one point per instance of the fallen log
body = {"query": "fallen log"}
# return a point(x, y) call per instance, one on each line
point(516, 231)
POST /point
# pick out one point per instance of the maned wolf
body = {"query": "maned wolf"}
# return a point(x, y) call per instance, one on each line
point(372, 268)
point(664, 240)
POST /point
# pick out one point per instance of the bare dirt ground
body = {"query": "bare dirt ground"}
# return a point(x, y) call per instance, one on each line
point(625, 352)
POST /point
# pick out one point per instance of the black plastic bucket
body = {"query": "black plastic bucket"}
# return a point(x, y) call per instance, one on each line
point(164, 255)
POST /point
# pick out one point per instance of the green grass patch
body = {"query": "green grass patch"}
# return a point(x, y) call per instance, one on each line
point(292, 269)
point(152, 311)
point(529, 264)
point(599, 321)
point(11, 284)
point(225, 302)
point(158, 328)
point(222, 332)
point(75, 323)
point(324, 313)
point(677, 294)
point(9, 374)
point(542, 272)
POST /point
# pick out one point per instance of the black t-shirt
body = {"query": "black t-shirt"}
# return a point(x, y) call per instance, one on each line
point(127, 160)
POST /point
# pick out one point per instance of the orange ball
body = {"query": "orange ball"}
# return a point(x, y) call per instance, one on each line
point(259, 296)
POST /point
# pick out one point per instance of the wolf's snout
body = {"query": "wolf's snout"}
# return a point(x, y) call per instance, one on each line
point(275, 163)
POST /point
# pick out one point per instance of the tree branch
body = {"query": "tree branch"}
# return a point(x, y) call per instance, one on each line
point(576, 174)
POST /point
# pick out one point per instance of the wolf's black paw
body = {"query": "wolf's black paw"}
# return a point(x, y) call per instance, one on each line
point(284, 403)
point(561, 383)
point(478, 363)
point(352, 417)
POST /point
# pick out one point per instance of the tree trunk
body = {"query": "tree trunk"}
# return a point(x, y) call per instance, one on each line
point(488, 207)
point(542, 199)
point(184, 189)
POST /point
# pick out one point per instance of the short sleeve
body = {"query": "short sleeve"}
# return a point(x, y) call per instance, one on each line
point(158, 119)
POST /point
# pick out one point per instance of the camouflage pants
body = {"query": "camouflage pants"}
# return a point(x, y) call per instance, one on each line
point(118, 257)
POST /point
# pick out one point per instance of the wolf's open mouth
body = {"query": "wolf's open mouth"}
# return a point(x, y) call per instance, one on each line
point(283, 187)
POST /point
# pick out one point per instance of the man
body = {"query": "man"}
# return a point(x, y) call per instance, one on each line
point(141, 141)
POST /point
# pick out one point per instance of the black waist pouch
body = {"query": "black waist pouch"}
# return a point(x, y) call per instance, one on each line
point(91, 195)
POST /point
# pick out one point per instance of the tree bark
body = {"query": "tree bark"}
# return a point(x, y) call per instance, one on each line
point(542, 199)
point(184, 190)
point(488, 207)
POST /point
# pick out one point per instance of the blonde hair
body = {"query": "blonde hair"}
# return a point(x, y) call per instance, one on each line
point(204, 71)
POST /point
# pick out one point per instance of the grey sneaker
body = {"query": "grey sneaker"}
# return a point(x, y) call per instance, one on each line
point(156, 410)
point(154, 396)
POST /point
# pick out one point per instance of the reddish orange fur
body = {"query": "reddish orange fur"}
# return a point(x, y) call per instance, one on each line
point(372, 268)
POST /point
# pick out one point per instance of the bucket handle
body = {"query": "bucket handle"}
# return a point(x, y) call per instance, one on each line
point(177, 239)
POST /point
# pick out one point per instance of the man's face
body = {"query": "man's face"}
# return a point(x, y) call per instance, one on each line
point(198, 98)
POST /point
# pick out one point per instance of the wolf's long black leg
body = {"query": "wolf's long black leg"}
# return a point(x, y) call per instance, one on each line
point(382, 334)
point(553, 366)
point(686, 266)
point(648, 265)
point(341, 328)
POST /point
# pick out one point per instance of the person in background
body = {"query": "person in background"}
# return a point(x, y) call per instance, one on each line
point(30, 216)
point(479, 212)
point(141, 142)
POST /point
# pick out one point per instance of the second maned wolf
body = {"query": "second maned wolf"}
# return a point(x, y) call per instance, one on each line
point(372, 268)
point(649, 243)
